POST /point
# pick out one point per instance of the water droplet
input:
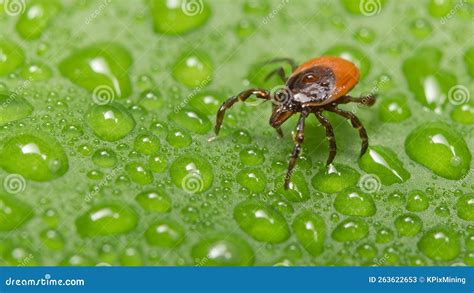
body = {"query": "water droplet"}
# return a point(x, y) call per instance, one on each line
point(463, 114)
point(261, 222)
point(252, 179)
point(13, 212)
point(384, 163)
point(352, 202)
point(394, 109)
point(40, 158)
point(440, 244)
point(426, 80)
point(165, 233)
point(157, 164)
point(465, 207)
point(408, 225)
point(206, 103)
point(384, 235)
point(154, 201)
point(351, 229)
point(363, 7)
point(297, 191)
point(245, 29)
point(468, 57)
point(178, 139)
point(439, 148)
point(106, 219)
point(131, 257)
point(421, 28)
point(101, 69)
point(36, 72)
point(251, 156)
point(178, 17)
point(191, 120)
point(110, 122)
point(146, 144)
point(52, 239)
point(36, 18)
point(13, 107)
point(310, 230)
point(193, 70)
point(440, 8)
point(11, 56)
point(417, 201)
point(192, 173)
point(139, 173)
point(151, 100)
point(335, 178)
point(222, 250)
point(105, 158)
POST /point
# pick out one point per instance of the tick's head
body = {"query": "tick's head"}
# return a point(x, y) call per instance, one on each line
point(313, 84)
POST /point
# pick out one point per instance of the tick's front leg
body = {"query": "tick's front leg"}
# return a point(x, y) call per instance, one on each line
point(299, 137)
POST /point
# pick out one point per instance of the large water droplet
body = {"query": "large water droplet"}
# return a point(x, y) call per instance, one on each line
point(350, 230)
point(352, 202)
point(165, 233)
point(335, 178)
point(384, 163)
point(192, 173)
point(310, 230)
point(440, 244)
point(36, 18)
point(222, 250)
point(110, 122)
point(465, 207)
point(13, 107)
point(261, 222)
point(13, 213)
point(106, 219)
point(40, 158)
point(439, 148)
point(11, 56)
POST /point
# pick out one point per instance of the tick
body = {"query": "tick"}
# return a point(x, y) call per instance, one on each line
point(318, 85)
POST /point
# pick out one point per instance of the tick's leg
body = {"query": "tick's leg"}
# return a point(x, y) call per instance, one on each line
point(259, 93)
point(279, 71)
point(356, 124)
point(287, 60)
point(329, 135)
point(364, 100)
point(299, 137)
point(279, 131)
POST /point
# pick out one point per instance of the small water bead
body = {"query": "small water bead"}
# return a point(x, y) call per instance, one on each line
point(310, 230)
point(442, 210)
point(13, 212)
point(11, 56)
point(352, 202)
point(76, 260)
point(206, 103)
point(384, 235)
point(36, 18)
point(192, 173)
point(258, 7)
point(105, 158)
point(242, 137)
point(351, 229)
point(84, 149)
point(131, 257)
point(465, 207)
point(426, 80)
point(470, 242)
point(193, 70)
point(139, 173)
point(463, 114)
point(102, 69)
point(95, 175)
point(252, 179)
point(165, 233)
point(146, 144)
point(365, 35)
point(52, 239)
point(72, 131)
point(394, 109)
point(417, 201)
point(154, 201)
point(297, 191)
point(36, 72)
point(408, 225)
point(396, 198)
point(245, 28)
point(13, 108)
point(251, 156)
point(421, 28)
point(335, 178)
point(440, 8)
point(106, 219)
point(440, 244)
point(384, 163)
point(468, 57)
point(178, 139)
point(283, 207)
point(50, 218)
point(35, 157)
point(469, 259)
point(110, 122)
point(222, 250)
point(178, 17)
point(353, 55)
point(158, 128)
point(367, 251)
point(261, 222)
point(439, 148)
point(191, 120)
point(157, 164)
point(151, 100)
